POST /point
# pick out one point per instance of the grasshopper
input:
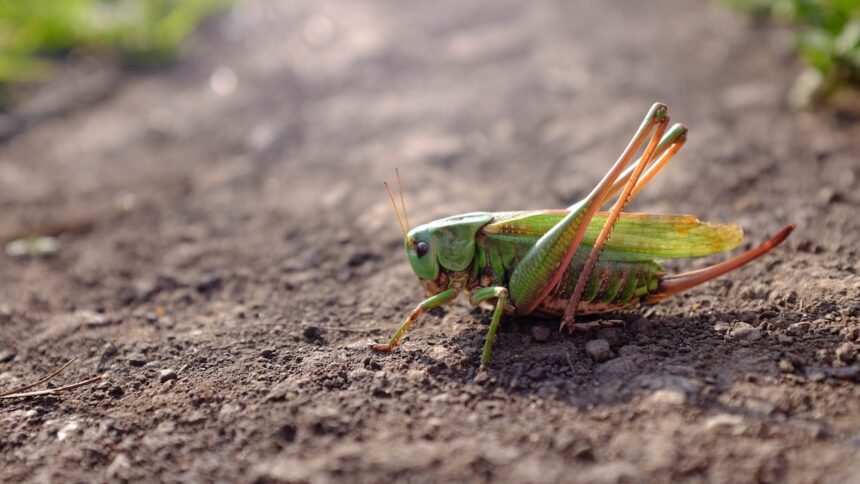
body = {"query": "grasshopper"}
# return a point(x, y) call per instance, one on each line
point(561, 263)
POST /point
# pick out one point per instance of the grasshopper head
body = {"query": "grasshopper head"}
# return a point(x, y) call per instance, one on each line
point(446, 245)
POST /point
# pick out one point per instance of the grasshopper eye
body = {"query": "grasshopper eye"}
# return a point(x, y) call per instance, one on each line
point(421, 248)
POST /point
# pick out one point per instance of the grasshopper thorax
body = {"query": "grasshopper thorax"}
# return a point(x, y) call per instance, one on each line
point(444, 245)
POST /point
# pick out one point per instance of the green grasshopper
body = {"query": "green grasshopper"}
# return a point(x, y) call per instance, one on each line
point(562, 262)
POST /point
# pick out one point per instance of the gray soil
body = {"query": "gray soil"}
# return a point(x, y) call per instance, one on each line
point(225, 257)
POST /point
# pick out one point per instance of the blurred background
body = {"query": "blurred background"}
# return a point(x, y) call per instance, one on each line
point(441, 94)
point(197, 185)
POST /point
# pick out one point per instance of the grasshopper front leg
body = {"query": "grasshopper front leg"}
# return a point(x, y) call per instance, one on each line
point(501, 295)
point(428, 304)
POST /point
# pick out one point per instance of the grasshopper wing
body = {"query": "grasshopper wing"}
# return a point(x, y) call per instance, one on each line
point(667, 236)
point(654, 236)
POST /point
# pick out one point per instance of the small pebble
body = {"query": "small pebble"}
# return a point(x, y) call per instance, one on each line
point(785, 339)
point(743, 332)
point(119, 467)
point(666, 397)
point(312, 333)
point(166, 375)
point(536, 373)
point(7, 355)
point(612, 335)
point(725, 421)
point(540, 333)
point(136, 359)
point(268, 353)
point(73, 427)
point(598, 350)
point(109, 350)
point(827, 195)
point(846, 352)
point(847, 372)
point(642, 325)
point(816, 376)
point(786, 366)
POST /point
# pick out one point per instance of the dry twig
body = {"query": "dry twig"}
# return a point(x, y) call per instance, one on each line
point(21, 392)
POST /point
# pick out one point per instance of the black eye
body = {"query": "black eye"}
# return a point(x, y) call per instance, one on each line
point(421, 248)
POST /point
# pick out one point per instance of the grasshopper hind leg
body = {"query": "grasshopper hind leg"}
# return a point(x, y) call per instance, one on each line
point(677, 283)
point(630, 183)
point(538, 273)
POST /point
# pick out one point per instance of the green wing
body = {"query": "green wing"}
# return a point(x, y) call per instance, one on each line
point(652, 235)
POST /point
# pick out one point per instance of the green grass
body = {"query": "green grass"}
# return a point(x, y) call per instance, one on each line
point(828, 40)
point(35, 33)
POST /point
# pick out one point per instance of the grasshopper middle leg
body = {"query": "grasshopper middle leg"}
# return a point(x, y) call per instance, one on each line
point(501, 296)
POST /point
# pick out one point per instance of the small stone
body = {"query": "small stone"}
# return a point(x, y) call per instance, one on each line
point(166, 375)
point(7, 355)
point(583, 451)
point(816, 376)
point(612, 335)
point(847, 372)
point(725, 420)
point(598, 350)
point(109, 350)
point(786, 366)
point(667, 397)
point(208, 284)
point(745, 332)
point(229, 409)
point(287, 433)
point(785, 339)
point(827, 195)
point(536, 373)
point(268, 353)
point(94, 319)
point(136, 359)
point(119, 467)
point(312, 333)
point(846, 352)
point(642, 325)
point(73, 427)
point(563, 441)
point(824, 355)
point(540, 333)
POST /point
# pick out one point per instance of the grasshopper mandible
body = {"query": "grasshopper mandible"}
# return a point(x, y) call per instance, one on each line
point(562, 262)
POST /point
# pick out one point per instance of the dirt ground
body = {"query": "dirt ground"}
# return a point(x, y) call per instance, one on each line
point(227, 250)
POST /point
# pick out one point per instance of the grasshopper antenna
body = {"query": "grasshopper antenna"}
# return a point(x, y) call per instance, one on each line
point(402, 200)
point(396, 212)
